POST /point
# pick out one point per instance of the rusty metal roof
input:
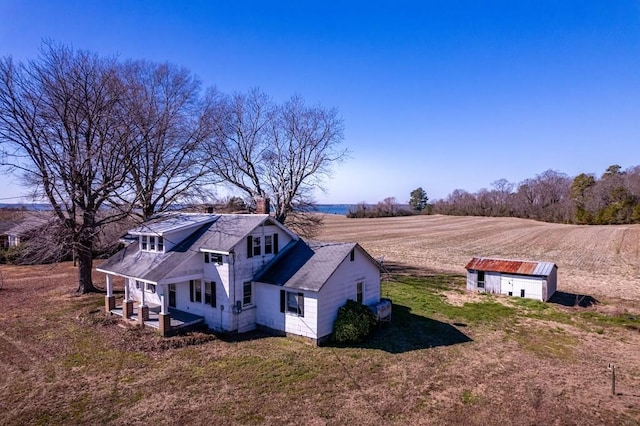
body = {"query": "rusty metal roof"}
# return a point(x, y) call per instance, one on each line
point(521, 267)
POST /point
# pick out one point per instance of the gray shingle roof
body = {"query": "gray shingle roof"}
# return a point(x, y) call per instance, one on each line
point(218, 233)
point(172, 222)
point(306, 265)
point(150, 266)
point(227, 231)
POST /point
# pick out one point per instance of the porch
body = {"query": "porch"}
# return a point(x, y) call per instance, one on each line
point(177, 320)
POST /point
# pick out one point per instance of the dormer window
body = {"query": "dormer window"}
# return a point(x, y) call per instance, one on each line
point(151, 243)
point(213, 258)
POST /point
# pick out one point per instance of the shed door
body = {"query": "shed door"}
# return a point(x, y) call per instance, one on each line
point(515, 284)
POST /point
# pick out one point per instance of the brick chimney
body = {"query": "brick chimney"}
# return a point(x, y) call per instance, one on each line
point(262, 205)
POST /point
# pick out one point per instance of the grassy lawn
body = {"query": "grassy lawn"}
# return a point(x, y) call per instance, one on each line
point(447, 357)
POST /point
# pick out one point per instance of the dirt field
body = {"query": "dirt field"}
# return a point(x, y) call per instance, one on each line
point(600, 261)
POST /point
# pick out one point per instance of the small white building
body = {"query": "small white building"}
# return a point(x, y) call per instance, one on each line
point(238, 272)
point(518, 278)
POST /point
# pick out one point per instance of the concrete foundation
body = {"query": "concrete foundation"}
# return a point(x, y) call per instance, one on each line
point(109, 303)
point(164, 324)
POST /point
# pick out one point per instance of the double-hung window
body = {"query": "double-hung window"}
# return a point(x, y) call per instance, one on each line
point(292, 302)
point(196, 290)
point(257, 246)
point(359, 292)
point(268, 244)
point(246, 293)
point(143, 244)
point(210, 293)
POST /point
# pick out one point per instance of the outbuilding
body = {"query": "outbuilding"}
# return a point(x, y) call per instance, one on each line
point(518, 278)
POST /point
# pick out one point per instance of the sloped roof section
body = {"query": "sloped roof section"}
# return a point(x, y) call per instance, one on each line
point(520, 267)
point(306, 265)
point(172, 222)
point(216, 233)
point(150, 266)
point(227, 230)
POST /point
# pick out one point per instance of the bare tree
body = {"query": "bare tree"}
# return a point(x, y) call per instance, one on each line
point(60, 126)
point(165, 115)
point(282, 152)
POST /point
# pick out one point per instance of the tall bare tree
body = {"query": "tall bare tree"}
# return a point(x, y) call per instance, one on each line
point(282, 152)
point(60, 127)
point(165, 114)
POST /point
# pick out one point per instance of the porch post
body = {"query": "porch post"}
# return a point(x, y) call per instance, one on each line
point(127, 305)
point(143, 309)
point(109, 299)
point(164, 318)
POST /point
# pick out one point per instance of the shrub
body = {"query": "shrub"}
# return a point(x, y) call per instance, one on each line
point(354, 323)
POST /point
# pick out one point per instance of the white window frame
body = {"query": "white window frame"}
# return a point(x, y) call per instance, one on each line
point(268, 244)
point(257, 246)
point(245, 285)
point(152, 243)
point(294, 303)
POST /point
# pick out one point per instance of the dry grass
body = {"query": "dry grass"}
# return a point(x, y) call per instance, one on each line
point(448, 357)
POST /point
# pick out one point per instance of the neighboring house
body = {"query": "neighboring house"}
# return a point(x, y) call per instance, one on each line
point(237, 272)
point(16, 233)
point(5, 226)
point(519, 278)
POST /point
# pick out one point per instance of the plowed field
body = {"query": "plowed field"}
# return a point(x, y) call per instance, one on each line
point(600, 261)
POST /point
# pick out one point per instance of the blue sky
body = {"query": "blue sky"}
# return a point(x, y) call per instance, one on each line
point(438, 94)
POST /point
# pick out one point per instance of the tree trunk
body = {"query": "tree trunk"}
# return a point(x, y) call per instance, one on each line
point(85, 266)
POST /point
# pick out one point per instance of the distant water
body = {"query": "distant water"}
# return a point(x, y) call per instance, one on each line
point(341, 209)
point(26, 206)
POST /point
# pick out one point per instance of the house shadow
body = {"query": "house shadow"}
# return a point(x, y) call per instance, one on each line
point(572, 299)
point(409, 332)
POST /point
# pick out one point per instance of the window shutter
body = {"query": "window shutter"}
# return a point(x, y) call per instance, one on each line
point(191, 290)
point(301, 304)
point(283, 300)
point(249, 246)
point(213, 294)
point(275, 243)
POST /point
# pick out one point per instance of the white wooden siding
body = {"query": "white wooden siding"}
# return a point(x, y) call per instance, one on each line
point(268, 311)
point(532, 286)
point(135, 294)
point(342, 286)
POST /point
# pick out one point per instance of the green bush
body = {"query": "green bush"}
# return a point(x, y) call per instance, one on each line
point(354, 323)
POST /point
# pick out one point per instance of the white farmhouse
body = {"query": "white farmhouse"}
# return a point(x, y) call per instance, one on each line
point(519, 278)
point(235, 273)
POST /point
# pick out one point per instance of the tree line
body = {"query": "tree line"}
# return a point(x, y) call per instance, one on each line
point(552, 196)
point(103, 139)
